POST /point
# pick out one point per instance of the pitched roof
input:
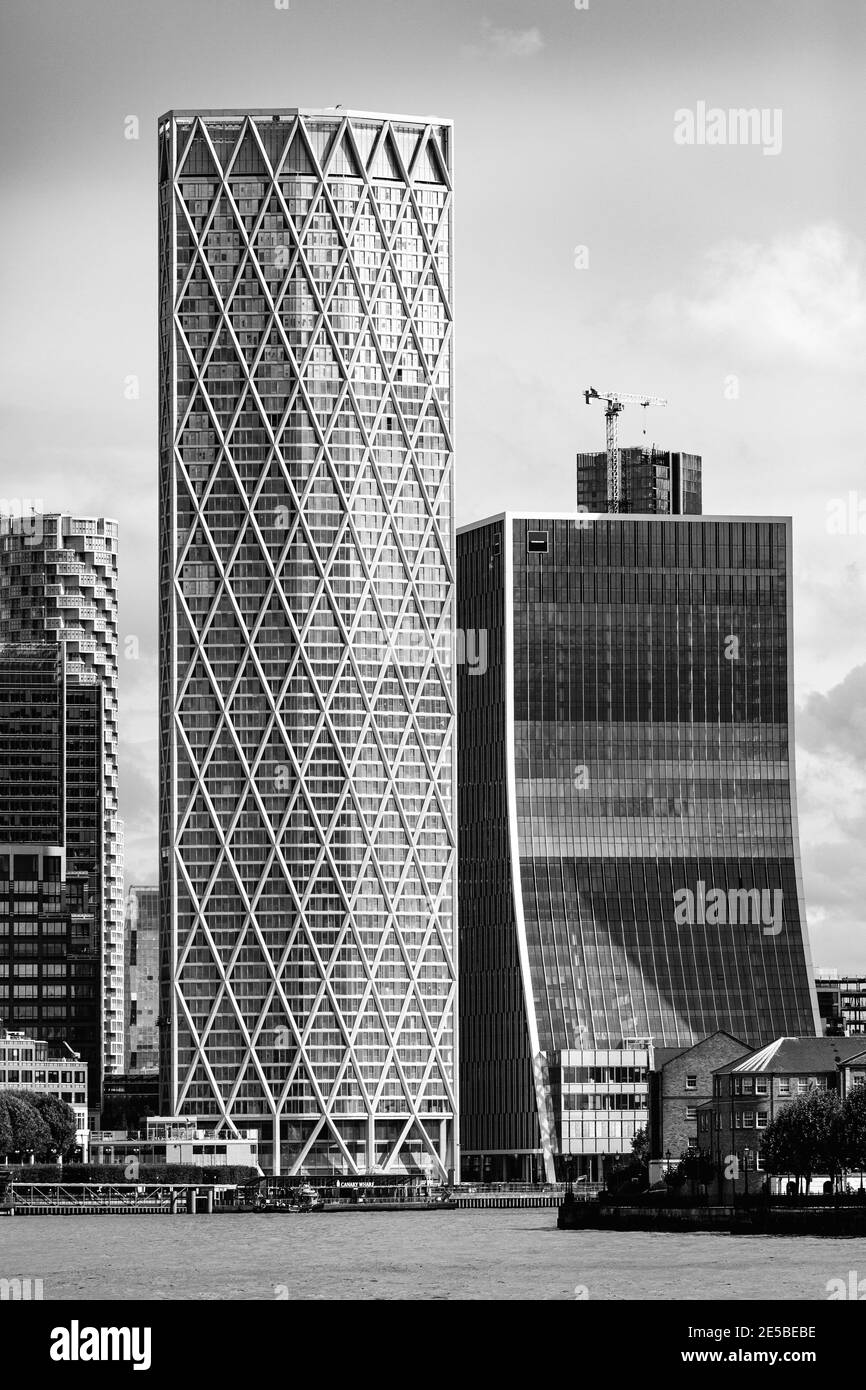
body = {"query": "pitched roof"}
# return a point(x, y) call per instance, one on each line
point(794, 1055)
point(665, 1055)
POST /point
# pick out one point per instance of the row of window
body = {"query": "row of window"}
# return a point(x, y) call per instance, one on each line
point(16, 1076)
point(760, 1085)
point(596, 1101)
point(740, 1119)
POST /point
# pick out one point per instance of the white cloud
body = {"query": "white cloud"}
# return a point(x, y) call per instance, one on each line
point(505, 43)
point(831, 785)
point(799, 297)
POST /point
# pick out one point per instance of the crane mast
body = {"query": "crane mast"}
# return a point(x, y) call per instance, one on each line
point(614, 403)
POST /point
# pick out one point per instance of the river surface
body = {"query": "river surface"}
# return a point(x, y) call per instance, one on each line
point(407, 1255)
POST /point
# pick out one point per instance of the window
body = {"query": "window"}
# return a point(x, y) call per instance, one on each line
point(761, 1119)
point(761, 1086)
point(691, 1112)
point(748, 1119)
point(802, 1085)
point(784, 1085)
point(536, 543)
point(748, 1085)
point(691, 1083)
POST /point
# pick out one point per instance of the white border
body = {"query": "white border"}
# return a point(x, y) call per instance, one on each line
point(545, 1119)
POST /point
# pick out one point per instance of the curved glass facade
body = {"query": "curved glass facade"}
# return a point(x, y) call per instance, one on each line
point(650, 822)
point(308, 958)
point(58, 583)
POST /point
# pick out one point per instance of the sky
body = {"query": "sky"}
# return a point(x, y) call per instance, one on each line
point(594, 246)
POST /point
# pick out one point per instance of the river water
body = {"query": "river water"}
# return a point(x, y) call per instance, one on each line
point(407, 1255)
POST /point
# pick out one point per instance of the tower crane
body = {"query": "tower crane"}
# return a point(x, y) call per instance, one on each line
point(615, 402)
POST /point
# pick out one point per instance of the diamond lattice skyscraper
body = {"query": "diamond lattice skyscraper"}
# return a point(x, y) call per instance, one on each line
point(306, 573)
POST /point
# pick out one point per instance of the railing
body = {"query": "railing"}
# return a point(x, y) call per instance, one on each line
point(476, 1196)
point(91, 1195)
point(554, 1189)
point(119, 1197)
point(491, 1187)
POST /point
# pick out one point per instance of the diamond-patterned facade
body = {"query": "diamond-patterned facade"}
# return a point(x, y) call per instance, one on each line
point(307, 694)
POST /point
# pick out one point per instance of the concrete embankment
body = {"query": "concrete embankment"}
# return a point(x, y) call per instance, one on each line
point(821, 1220)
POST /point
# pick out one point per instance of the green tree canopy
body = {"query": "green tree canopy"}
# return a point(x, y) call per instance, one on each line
point(5, 1128)
point(30, 1133)
point(640, 1145)
point(694, 1166)
point(854, 1128)
point(806, 1137)
point(58, 1116)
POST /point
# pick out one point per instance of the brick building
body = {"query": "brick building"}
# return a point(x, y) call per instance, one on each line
point(681, 1081)
point(749, 1093)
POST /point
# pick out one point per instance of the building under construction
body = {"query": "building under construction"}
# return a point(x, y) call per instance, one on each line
point(654, 482)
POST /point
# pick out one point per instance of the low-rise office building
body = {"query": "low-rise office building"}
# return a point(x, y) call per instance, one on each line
point(841, 1003)
point(32, 1064)
point(174, 1139)
point(600, 1099)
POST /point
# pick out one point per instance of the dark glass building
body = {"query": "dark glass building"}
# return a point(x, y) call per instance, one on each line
point(654, 481)
point(630, 873)
point(141, 960)
point(58, 584)
point(32, 755)
point(49, 938)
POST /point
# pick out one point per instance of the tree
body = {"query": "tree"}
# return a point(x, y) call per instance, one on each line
point(5, 1128)
point(640, 1145)
point(30, 1133)
point(695, 1167)
point(854, 1129)
point(632, 1173)
point(59, 1117)
point(807, 1137)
